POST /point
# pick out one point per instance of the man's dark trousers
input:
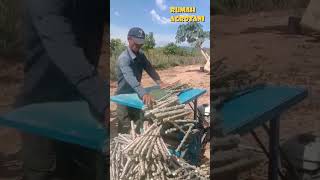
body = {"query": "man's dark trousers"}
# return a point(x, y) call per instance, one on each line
point(46, 159)
point(125, 115)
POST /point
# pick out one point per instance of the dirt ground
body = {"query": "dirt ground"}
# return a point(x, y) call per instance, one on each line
point(262, 38)
point(185, 74)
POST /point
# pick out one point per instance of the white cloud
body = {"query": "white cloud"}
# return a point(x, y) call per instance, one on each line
point(159, 19)
point(117, 32)
point(117, 13)
point(163, 39)
point(161, 4)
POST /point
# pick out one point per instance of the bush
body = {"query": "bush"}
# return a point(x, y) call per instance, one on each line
point(173, 49)
point(116, 46)
point(149, 43)
point(170, 49)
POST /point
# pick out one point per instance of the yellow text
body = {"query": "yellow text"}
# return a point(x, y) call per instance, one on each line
point(187, 18)
point(182, 9)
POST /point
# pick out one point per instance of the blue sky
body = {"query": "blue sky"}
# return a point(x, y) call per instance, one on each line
point(153, 16)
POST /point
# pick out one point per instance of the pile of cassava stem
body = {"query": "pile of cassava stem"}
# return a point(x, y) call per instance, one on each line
point(145, 155)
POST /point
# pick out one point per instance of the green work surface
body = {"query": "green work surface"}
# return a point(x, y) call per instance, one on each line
point(132, 100)
point(70, 122)
point(250, 110)
point(158, 93)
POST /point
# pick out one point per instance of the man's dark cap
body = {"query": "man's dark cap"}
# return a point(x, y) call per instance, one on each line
point(137, 35)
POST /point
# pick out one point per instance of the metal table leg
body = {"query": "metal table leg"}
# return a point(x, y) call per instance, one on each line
point(265, 151)
point(195, 109)
point(273, 148)
point(102, 168)
point(283, 158)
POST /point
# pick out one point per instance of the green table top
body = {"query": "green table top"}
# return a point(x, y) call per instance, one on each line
point(250, 110)
point(70, 122)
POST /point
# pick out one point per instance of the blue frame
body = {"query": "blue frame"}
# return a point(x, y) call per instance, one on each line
point(132, 100)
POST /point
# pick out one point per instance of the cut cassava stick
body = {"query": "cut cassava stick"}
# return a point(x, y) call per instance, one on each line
point(178, 116)
point(185, 137)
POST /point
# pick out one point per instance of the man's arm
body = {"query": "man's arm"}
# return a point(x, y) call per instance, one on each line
point(153, 73)
point(150, 70)
point(57, 37)
point(124, 65)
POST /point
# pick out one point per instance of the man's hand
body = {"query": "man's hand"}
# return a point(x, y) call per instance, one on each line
point(163, 84)
point(148, 100)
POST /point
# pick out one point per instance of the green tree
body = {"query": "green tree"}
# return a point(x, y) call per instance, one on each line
point(192, 33)
point(150, 43)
